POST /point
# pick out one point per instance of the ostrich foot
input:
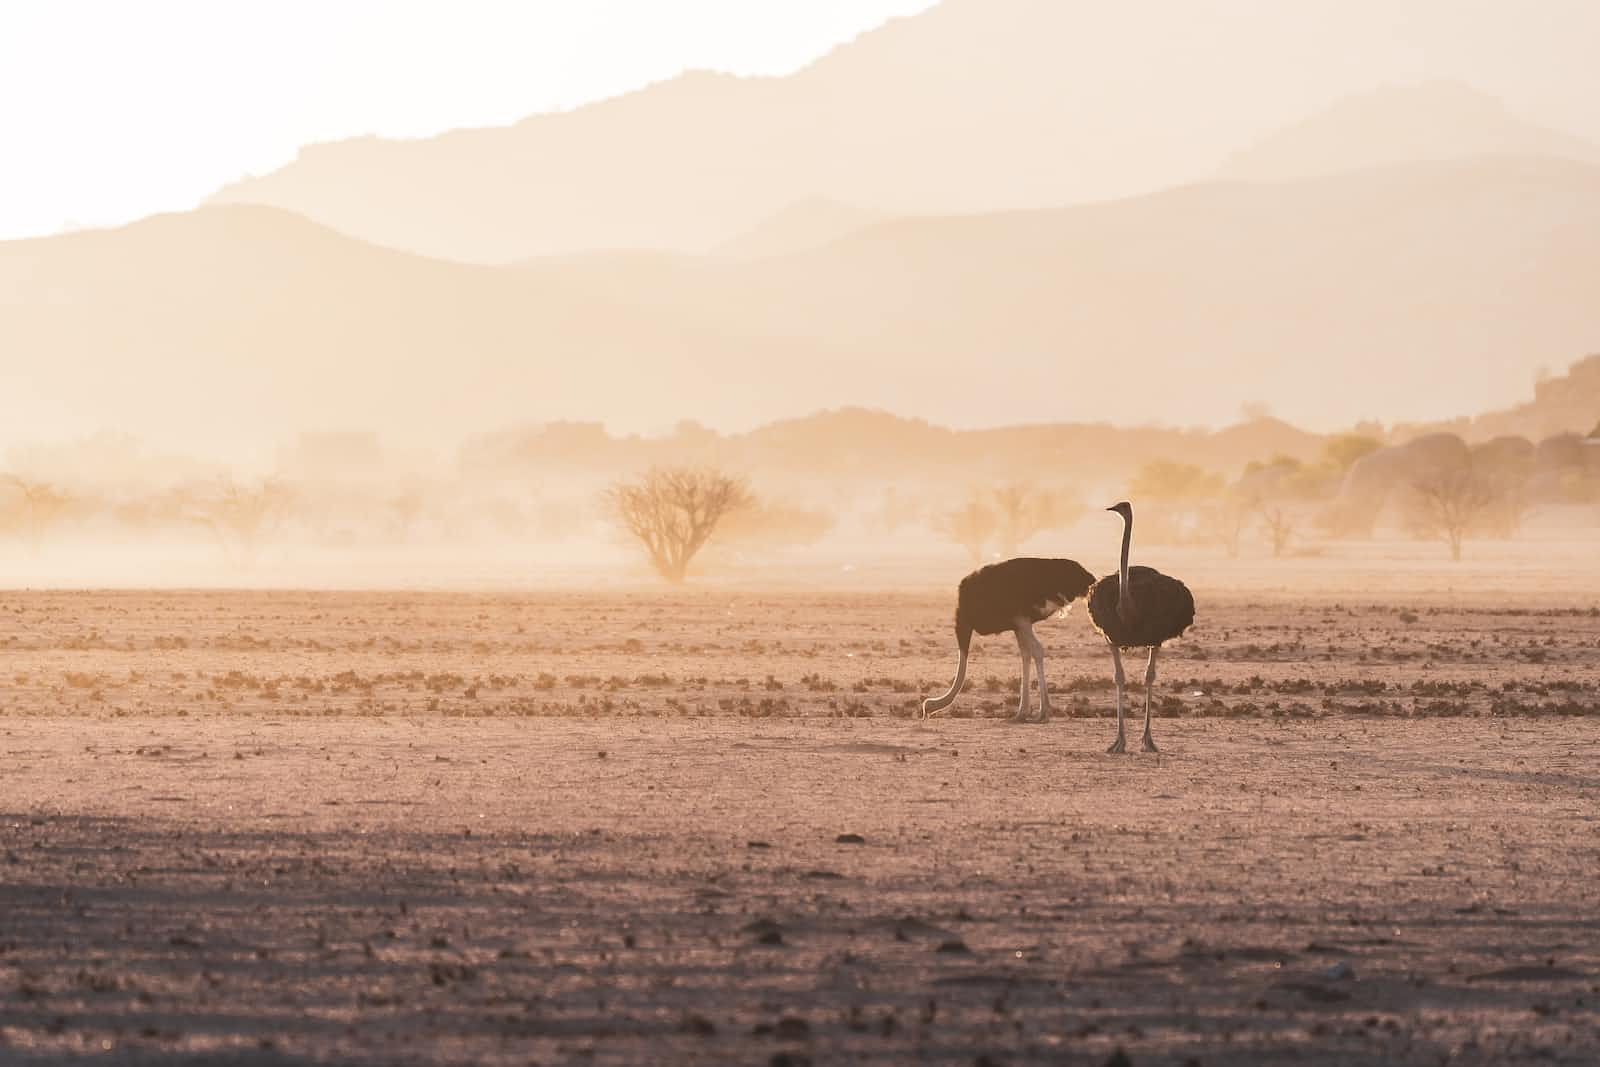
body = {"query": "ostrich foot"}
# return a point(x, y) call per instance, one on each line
point(1119, 745)
point(1044, 714)
point(1150, 744)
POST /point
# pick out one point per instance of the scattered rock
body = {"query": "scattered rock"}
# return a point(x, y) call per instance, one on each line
point(1339, 972)
point(763, 932)
point(849, 839)
point(448, 973)
point(757, 844)
point(792, 1028)
point(698, 1025)
point(1118, 1058)
point(954, 945)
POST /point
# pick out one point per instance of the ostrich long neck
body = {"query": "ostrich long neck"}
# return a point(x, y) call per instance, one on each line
point(1124, 592)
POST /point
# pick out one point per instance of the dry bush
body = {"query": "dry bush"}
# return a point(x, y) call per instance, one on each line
point(1022, 511)
point(971, 526)
point(674, 511)
point(238, 516)
point(1507, 510)
point(1280, 520)
point(1283, 491)
point(33, 507)
point(1224, 520)
point(1341, 451)
point(1165, 479)
point(1180, 490)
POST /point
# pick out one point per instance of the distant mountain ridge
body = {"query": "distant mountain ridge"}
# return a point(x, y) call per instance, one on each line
point(974, 106)
point(1401, 124)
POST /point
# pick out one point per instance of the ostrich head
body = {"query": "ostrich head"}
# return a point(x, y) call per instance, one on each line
point(1124, 509)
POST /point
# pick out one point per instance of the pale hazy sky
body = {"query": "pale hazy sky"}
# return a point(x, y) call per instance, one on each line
point(113, 109)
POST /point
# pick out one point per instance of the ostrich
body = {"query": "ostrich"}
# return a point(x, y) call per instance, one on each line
point(1138, 608)
point(1013, 595)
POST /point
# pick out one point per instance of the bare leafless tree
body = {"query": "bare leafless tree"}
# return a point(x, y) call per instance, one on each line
point(1448, 504)
point(674, 511)
point(238, 516)
point(1280, 521)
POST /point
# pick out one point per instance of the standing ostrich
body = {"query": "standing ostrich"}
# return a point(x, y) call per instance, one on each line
point(1013, 595)
point(1138, 607)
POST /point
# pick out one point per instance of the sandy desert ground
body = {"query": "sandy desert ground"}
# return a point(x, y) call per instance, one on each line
point(602, 828)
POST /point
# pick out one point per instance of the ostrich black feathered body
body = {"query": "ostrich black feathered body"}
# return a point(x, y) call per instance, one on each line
point(990, 599)
point(1163, 608)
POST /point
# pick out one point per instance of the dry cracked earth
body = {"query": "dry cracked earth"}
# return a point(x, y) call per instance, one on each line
point(272, 828)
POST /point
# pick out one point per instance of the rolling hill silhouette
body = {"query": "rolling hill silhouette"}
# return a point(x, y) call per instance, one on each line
point(803, 224)
point(1411, 292)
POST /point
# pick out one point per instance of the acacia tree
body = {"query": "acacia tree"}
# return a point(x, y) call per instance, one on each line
point(970, 526)
point(1021, 511)
point(1279, 520)
point(1448, 504)
point(674, 511)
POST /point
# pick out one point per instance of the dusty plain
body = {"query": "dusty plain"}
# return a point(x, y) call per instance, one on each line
point(702, 828)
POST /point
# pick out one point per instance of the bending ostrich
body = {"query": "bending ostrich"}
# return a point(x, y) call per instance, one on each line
point(1012, 595)
point(1138, 607)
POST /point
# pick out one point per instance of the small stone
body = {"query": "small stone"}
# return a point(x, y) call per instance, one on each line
point(850, 839)
point(764, 932)
point(792, 1028)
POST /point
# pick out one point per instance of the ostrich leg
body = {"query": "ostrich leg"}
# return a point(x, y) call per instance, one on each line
point(1121, 743)
point(1022, 649)
point(1149, 684)
point(1037, 647)
point(1032, 649)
